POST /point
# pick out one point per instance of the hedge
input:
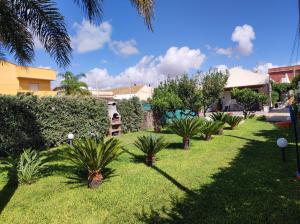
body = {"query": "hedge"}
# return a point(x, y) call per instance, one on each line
point(131, 112)
point(31, 122)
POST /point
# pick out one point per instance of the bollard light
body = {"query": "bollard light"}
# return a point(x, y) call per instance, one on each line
point(282, 144)
point(70, 138)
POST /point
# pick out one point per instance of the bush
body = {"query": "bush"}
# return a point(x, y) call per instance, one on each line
point(275, 97)
point(150, 145)
point(131, 112)
point(186, 128)
point(233, 121)
point(25, 168)
point(93, 156)
point(31, 122)
point(210, 128)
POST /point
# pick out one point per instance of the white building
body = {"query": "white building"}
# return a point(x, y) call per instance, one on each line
point(143, 92)
point(242, 78)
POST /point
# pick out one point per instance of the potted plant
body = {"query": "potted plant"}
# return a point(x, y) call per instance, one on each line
point(150, 145)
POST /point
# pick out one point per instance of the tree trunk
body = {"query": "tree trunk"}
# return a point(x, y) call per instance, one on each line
point(150, 160)
point(94, 179)
point(208, 137)
point(186, 143)
point(220, 131)
point(157, 129)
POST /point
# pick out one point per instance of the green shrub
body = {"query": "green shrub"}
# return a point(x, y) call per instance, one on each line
point(210, 128)
point(275, 97)
point(150, 145)
point(233, 121)
point(219, 116)
point(26, 167)
point(31, 122)
point(186, 128)
point(93, 156)
point(132, 115)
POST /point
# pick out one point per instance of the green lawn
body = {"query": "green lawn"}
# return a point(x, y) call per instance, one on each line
point(235, 178)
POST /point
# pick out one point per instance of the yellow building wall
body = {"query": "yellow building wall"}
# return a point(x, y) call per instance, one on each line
point(14, 79)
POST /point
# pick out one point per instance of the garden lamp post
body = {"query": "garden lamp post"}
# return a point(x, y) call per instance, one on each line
point(70, 138)
point(282, 144)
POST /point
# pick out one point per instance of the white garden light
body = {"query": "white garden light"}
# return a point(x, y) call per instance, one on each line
point(282, 144)
point(70, 138)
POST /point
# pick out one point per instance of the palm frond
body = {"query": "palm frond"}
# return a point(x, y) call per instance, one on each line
point(92, 8)
point(233, 121)
point(150, 144)
point(14, 36)
point(92, 156)
point(219, 116)
point(187, 127)
point(146, 9)
point(46, 23)
point(210, 128)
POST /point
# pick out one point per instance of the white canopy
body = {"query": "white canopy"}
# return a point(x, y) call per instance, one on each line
point(239, 77)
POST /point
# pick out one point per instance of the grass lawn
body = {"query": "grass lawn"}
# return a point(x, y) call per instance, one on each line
point(235, 178)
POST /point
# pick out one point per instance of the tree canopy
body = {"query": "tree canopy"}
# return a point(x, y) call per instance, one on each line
point(21, 21)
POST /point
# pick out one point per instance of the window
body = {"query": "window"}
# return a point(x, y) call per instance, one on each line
point(33, 87)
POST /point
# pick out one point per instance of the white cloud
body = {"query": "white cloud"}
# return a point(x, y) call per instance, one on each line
point(224, 51)
point(221, 67)
point(263, 68)
point(149, 70)
point(90, 37)
point(244, 35)
point(45, 67)
point(124, 48)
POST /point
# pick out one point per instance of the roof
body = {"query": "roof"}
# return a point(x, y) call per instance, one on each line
point(239, 77)
point(284, 69)
point(126, 90)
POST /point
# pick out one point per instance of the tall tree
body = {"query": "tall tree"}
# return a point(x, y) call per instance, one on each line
point(23, 20)
point(71, 84)
point(212, 85)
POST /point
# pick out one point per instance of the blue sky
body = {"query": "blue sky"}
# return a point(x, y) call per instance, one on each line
point(189, 35)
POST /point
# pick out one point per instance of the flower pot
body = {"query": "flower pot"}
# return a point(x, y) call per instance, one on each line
point(186, 143)
point(150, 160)
point(94, 180)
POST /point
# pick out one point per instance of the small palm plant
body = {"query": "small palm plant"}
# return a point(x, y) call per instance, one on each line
point(219, 116)
point(26, 167)
point(186, 128)
point(150, 145)
point(210, 128)
point(233, 121)
point(93, 156)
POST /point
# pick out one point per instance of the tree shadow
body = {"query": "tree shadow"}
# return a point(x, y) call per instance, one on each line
point(79, 178)
point(175, 146)
point(9, 189)
point(257, 187)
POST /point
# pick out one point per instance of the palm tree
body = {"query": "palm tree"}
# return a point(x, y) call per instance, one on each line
point(219, 116)
point(186, 128)
point(150, 145)
point(23, 20)
point(93, 156)
point(210, 128)
point(71, 84)
point(233, 121)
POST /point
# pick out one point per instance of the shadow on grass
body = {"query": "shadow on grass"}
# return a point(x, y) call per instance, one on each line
point(141, 159)
point(79, 178)
point(8, 190)
point(256, 188)
point(175, 146)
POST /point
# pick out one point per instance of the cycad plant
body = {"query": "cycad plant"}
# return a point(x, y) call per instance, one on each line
point(210, 127)
point(186, 128)
point(93, 156)
point(221, 117)
point(233, 121)
point(150, 145)
point(26, 167)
